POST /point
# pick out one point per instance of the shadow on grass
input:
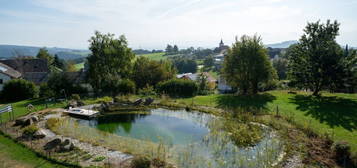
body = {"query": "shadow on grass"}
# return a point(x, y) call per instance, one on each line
point(334, 111)
point(258, 101)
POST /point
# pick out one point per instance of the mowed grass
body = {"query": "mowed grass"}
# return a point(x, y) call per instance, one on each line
point(15, 155)
point(155, 56)
point(79, 66)
point(333, 114)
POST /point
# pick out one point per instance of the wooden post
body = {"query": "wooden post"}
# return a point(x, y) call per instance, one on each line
point(277, 110)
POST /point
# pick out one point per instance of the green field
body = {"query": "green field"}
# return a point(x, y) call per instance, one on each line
point(79, 66)
point(15, 155)
point(155, 56)
point(335, 114)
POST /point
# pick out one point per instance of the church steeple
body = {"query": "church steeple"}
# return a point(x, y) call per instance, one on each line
point(221, 44)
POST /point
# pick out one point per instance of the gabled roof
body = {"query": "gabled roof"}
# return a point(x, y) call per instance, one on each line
point(27, 65)
point(9, 71)
point(36, 77)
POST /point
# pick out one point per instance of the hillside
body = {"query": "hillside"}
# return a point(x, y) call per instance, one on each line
point(10, 51)
point(284, 44)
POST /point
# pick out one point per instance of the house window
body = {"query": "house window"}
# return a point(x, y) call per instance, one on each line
point(1, 81)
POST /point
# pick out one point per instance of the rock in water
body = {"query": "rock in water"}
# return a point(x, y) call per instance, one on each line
point(137, 102)
point(148, 101)
point(52, 144)
point(39, 134)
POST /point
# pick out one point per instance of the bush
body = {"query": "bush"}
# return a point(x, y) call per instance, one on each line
point(19, 89)
point(30, 130)
point(147, 91)
point(178, 88)
point(342, 153)
point(126, 86)
point(141, 162)
point(46, 91)
point(52, 123)
point(76, 97)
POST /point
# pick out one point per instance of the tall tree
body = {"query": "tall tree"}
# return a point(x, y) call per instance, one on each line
point(150, 72)
point(314, 61)
point(169, 49)
point(208, 62)
point(247, 65)
point(175, 49)
point(110, 57)
point(281, 67)
point(58, 62)
point(43, 54)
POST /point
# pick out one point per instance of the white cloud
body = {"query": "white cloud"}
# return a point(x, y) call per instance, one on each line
point(154, 23)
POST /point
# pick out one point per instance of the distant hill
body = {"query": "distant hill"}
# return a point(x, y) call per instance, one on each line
point(10, 51)
point(284, 44)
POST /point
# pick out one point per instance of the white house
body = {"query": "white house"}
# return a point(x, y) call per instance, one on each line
point(6, 74)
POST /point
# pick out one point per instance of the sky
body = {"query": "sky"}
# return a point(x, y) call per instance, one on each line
point(152, 24)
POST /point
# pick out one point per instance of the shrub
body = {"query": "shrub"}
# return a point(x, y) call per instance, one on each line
point(141, 162)
point(147, 91)
point(46, 91)
point(126, 86)
point(342, 153)
point(76, 97)
point(52, 122)
point(30, 130)
point(178, 88)
point(98, 159)
point(19, 89)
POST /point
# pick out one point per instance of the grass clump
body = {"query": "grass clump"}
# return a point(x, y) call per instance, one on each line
point(30, 130)
point(98, 159)
point(141, 162)
point(52, 123)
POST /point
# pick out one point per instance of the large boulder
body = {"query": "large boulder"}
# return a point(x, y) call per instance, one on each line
point(34, 118)
point(52, 144)
point(20, 121)
point(148, 101)
point(39, 134)
point(66, 146)
point(26, 121)
point(137, 102)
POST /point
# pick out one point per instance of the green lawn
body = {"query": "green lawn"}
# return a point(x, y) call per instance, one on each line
point(79, 66)
point(335, 114)
point(155, 56)
point(16, 155)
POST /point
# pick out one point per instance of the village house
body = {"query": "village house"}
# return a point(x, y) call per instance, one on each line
point(7, 73)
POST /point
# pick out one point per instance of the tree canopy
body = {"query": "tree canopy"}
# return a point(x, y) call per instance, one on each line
point(110, 57)
point(150, 72)
point(315, 63)
point(247, 65)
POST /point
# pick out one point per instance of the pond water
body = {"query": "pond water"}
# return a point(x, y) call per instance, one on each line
point(190, 138)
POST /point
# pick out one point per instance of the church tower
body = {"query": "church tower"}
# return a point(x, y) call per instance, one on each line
point(221, 44)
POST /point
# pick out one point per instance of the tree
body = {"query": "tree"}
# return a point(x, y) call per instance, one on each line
point(314, 61)
point(208, 62)
point(175, 49)
point(58, 62)
point(247, 65)
point(150, 72)
point(203, 85)
point(109, 57)
point(115, 85)
point(62, 86)
point(281, 66)
point(19, 89)
point(43, 54)
point(184, 65)
point(169, 49)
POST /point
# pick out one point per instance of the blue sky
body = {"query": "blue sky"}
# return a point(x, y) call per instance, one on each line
point(150, 24)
